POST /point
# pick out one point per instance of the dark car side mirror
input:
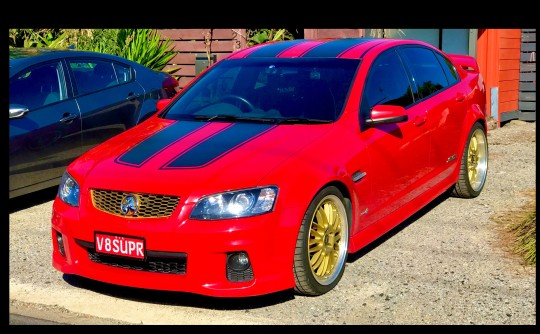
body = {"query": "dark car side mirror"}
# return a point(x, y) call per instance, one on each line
point(17, 110)
point(386, 114)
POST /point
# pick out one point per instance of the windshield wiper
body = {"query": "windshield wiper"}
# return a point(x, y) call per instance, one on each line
point(295, 120)
point(233, 118)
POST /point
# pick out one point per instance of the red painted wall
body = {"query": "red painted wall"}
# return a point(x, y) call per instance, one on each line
point(497, 53)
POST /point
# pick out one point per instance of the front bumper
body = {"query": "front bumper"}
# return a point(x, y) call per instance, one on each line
point(182, 255)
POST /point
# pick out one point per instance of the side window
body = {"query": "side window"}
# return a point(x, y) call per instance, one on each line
point(123, 73)
point(387, 83)
point(38, 86)
point(426, 69)
point(449, 69)
point(93, 75)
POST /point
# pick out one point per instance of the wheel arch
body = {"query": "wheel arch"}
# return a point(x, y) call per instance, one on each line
point(346, 195)
point(474, 116)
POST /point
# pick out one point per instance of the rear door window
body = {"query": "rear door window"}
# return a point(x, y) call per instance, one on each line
point(426, 70)
point(93, 75)
point(123, 73)
point(448, 68)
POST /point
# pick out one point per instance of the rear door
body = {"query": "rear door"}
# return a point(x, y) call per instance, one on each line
point(444, 101)
point(108, 96)
point(43, 141)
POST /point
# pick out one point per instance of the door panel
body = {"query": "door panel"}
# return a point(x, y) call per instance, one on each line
point(108, 105)
point(109, 112)
point(399, 155)
point(443, 99)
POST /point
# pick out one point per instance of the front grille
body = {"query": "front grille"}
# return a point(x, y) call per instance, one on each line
point(157, 262)
point(151, 264)
point(240, 276)
point(150, 205)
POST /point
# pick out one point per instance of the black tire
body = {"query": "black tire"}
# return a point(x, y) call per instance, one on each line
point(474, 164)
point(322, 245)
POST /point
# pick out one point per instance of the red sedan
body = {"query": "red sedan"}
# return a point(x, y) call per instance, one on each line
point(272, 166)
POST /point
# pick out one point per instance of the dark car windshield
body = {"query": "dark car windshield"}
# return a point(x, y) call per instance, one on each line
point(284, 90)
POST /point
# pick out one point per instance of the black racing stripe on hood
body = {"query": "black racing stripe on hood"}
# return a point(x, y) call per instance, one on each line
point(218, 145)
point(334, 48)
point(158, 142)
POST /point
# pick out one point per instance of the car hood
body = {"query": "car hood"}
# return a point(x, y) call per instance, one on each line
point(190, 157)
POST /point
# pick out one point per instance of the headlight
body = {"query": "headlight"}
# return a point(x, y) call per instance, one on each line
point(235, 204)
point(68, 191)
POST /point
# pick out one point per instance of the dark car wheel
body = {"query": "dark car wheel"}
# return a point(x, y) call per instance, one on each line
point(322, 244)
point(474, 164)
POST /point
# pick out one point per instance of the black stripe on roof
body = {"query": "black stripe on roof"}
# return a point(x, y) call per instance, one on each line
point(369, 49)
point(334, 48)
point(272, 50)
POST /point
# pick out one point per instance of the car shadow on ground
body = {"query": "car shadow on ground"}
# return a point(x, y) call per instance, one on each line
point(419, 214)
point(29, 200)
point(179, 298)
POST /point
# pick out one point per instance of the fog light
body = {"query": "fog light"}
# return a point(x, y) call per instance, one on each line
point(239, 267)
point(238, 261)
point(60, 242)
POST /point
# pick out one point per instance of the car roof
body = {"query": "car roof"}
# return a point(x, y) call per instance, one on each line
point(352, 48)
point(22, 57)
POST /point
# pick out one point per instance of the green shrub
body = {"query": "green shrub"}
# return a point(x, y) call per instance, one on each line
point(99, 40)
point(145, 47)
point(258, 36)
point(38, 38)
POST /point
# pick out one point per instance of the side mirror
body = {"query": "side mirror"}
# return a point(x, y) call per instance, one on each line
point(386, 114)
point(17, 110)
point(162, 104)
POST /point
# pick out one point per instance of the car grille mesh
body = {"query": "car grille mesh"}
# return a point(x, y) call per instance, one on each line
point(240, 276)
point(150, 206)
point(156, 265)
point(156, 262)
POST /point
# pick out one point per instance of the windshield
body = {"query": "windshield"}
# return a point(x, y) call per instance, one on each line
point(270, 89)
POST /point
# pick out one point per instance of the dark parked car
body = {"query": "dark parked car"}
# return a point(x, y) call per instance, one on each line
point(64, 102)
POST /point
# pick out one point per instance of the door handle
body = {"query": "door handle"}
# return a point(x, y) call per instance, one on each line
point(460, 97)
point(68, 118)
point(419, 120)
point(132, 96)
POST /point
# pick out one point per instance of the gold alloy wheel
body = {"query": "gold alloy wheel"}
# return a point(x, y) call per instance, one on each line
point(477, 159)
point(328, 239)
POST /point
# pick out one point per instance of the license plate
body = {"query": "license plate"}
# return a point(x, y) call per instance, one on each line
point(120, 245)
